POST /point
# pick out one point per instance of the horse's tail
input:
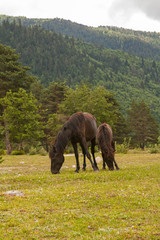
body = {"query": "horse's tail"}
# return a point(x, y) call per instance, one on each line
point(104, 139)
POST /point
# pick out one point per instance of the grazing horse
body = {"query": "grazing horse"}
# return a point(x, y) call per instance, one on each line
point(106, 144)
point(80, 128)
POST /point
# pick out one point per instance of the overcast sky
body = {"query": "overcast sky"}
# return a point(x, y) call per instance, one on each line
point(133, 14)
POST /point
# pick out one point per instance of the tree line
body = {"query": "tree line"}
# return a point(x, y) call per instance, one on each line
point(31, 113)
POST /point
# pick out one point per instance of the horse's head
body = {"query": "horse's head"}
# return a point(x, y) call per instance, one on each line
point(57, 160)
point(109, 162)
point(109, 159)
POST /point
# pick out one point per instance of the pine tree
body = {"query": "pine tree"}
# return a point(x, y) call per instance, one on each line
point(12, 77)
point(144, 128)
point(22, 116)
point(12, 74)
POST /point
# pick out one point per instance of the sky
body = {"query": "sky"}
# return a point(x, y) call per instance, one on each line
point(143, 15)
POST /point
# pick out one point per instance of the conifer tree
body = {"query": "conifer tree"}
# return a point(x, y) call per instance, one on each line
point(12, 74)
point(12, 77)
point(144, 128)
point(22, 116)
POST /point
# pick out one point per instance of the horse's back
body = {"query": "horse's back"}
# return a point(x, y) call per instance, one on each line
point(90, 126)
point(82, 124)
point(104, 133)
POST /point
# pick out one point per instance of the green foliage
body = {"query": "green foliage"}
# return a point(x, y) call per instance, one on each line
point(56, 58)
point(67, 61)
point(99, 102)
point(142, 44)
point(94, 101)
point(155, 148)
point(124, 147)
point(42, 152)
point(32, 151)
point(1, 153)
point(144, 128)
point(54, 124)
point(12, 75)
point(22, 117)
point(1, 159)
point(49, 99)
point(20, 152)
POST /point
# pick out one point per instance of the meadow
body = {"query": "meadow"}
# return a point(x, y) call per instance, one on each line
point(122, 204)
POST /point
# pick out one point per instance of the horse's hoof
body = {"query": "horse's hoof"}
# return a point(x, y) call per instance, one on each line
point(96, 170)
point(83, 169)
point(76, 171)
point(117, 169)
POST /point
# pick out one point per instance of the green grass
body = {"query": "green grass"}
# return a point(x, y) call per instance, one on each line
point(121, 204)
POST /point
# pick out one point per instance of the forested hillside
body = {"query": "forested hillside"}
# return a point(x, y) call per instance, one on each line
point(142, 44)
point(53, 57)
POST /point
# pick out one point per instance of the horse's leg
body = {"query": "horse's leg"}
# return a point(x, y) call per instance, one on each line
point(93, 143)
point(84, 146)
point(76, 156)
point(104, 164)
point(115, 164)
point(84, 158)
point(84, 162)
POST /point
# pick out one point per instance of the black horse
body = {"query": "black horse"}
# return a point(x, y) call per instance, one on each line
point(80, 128)
point(107, 146)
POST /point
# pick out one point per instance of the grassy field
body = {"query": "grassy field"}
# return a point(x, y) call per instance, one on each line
point(121, 204)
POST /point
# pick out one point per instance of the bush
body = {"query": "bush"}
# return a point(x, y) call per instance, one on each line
point(124, 147)
point(1, 159)
point(21, 152)
point(42, 152)
point(2, 152)
point(155, 149)
point(69, 149)
point(26, 148)
point(32, 151)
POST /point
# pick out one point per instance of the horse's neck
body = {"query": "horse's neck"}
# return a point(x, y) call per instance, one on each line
point(62, 141)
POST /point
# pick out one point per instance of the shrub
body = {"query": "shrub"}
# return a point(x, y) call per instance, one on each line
point(21, 152)
point(42, 152)
point(1, 159)
point(69, 149)
point(124, 147)
point(155, 149)
point(26, 148)
point(2, 152)
point(32, 151)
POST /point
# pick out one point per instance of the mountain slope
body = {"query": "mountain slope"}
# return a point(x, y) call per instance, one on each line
point(53, 57)
point(138, 43)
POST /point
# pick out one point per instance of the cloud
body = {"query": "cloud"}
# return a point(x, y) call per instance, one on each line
point(126, 8)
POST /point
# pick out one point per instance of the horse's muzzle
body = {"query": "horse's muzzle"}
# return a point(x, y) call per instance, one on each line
point(55, 172)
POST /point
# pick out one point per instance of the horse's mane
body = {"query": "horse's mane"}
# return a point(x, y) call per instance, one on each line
point(104, 139)
point(71, 127)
